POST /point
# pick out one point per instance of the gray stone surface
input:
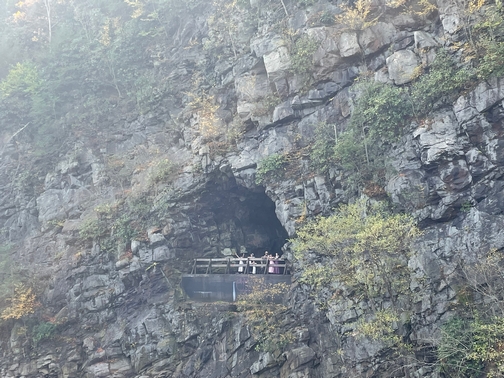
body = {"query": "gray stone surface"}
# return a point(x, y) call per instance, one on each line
point(348, 44)
point(402, 66)
point(119, 307)
point(376, 37)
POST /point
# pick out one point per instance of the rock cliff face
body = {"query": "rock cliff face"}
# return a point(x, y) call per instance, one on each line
point(118, 307)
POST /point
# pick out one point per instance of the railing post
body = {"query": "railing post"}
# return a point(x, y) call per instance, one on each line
point(228, 265)
point(193, 271)
point(209, 267)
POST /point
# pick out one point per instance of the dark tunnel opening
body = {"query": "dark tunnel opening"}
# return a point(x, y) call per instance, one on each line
point(245, 219)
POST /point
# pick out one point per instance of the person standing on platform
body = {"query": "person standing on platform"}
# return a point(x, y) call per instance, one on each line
point(252, 264)
point(241, 268)
point(264, 261)
point(271, 268)
point(277, 261)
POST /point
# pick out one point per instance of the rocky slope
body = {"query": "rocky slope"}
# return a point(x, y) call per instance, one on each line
point(115, 302)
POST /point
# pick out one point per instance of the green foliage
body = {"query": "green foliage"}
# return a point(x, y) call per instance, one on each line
point(364, 252)
point(492, 61)
point(318, 276)
point(302, 54)
point(122, 229)
point(270, 167)
point(350, 153)
point(369, 248)
point(114, 225)
point(470, 347)
point(456, 340)
point(89, 56)
point(163, 170)
point(381, 112)
point(90, 229)
point(444, 80)
point(377, 121)
point(466, 206)
point(42, 331)
point(322, 149)
point(325, 18)
point(22, 79)
point(472, 343)
point(491, 26)
point(24, 96)
point(380, 327)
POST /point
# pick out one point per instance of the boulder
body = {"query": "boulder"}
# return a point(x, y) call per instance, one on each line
point(264, 362)
point(402, 66)
point(267, 44)
point(277, 63)
point(487, 94)
point(99, 370)
point(423, 40)
point(295, 358)
point(348, 44)
point(438, 137)
point(327, 56)
point(450, 16)
point(61, 204)
point(376, 37)
point(251, 90)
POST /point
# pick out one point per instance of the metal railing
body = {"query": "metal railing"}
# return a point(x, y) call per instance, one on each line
point(244, 265)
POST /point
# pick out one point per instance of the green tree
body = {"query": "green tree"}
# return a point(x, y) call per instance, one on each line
point(368, 249)
point(472, 347)
point(23, 95)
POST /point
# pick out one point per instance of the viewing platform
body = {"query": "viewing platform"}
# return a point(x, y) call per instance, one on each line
point(226, 279)
point(244, 265)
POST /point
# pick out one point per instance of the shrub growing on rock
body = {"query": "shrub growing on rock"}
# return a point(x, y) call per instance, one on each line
point(357, 15)
point(302, 54)
point(443, 80)
point(23, 302)
point(377, 121)
point(269, 167)
point(472, 347)
point(368, 249)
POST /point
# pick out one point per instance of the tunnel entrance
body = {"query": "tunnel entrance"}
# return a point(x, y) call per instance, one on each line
point(245, 220)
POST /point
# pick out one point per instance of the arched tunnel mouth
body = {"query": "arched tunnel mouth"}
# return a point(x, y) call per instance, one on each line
point(245, 219)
